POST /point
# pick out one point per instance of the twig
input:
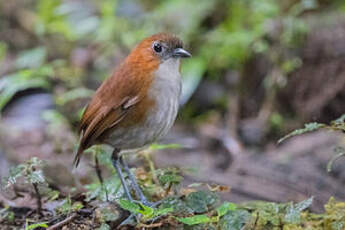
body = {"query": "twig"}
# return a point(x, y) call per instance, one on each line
point(167, 191)
point(148, 158)
point(155, 225)
point(38, 199)
point(62, 223)
point(100, 177)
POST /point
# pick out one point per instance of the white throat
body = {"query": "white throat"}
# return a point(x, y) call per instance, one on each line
point(169, 69)
point(168, 77)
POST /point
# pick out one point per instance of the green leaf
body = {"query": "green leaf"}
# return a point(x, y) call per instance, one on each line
point(129, 206)
point(156, 146)
point(293, 212)
point(54, 118)
point(33, 58)
point(51, 19)
point(37, 225)
point(234, 220)
point(179, 207)
point(22, 80)
point(197, 219)
point(53, 195)
point(73, 95)
point(201, 201)
point(172, 178)
point(30, 171)
point(110, 189)
point(146, 211)
point(267, 212)
point(168, 176)
point(225, 207)
point(194, 185)
point(162, 211)
point(307, 128)
point(77, 206)
point(68, 206)
point(304, 204)
point(36, 177)
point(15, 172)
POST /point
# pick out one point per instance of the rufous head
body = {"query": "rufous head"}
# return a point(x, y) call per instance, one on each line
point(158, 48)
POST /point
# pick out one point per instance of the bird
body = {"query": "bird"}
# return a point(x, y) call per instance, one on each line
point(136, 106)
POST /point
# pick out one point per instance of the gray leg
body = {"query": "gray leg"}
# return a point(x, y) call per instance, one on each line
point(117, 165)
point(135, 185)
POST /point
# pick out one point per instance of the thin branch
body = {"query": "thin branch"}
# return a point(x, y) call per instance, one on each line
point(155, 225)
point(100, 177)
point(38, 199)
point(63, 223)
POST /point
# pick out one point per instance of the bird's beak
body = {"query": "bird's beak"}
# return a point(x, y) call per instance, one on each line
point(179, 52)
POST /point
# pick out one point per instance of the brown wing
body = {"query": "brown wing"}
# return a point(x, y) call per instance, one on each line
point(102, 114)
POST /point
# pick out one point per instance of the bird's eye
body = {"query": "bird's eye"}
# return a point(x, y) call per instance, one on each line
point(157, 47)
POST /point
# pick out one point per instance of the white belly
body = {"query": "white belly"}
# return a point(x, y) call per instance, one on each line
point(165, 91)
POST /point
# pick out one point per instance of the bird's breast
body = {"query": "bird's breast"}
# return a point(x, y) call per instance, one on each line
point(164, 92)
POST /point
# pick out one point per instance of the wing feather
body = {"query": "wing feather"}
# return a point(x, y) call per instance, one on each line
point(100, 118)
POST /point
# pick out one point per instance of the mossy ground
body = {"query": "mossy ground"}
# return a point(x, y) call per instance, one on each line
point(197, 206)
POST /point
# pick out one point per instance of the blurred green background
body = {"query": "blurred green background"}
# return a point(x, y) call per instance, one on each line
point(260, 69)
point(69, 47)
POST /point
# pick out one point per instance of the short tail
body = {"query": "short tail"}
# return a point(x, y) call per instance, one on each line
point(80, 150)
point(78, 156)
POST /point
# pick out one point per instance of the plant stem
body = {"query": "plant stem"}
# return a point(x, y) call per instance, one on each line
point(38, 199)
point(100, 177)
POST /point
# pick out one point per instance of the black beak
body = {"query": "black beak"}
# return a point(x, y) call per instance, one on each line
point(179, 52)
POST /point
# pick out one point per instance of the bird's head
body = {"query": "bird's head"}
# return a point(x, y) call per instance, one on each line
point(157, 49)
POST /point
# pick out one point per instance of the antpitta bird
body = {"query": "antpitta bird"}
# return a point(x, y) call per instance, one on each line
point(137, 105)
